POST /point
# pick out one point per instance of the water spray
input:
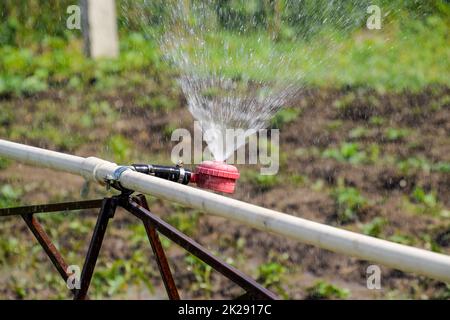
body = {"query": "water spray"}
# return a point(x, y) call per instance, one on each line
point(213, 175)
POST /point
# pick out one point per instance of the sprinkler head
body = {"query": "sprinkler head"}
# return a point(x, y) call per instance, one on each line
point(216, 175)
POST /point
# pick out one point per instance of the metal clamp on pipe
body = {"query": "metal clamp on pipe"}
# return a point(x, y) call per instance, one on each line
point(113, 180)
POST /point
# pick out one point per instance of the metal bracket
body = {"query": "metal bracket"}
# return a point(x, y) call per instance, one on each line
point(113, 180)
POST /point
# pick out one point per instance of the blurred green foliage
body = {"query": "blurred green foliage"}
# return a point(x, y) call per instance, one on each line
point(374, 228)
point(285, 116)
point(353, 153)
point(38, 52)
point(120, 147)
point(349, 203)
point(285, 17)
point(202, 273)
point(56, 63)
point(9, 196)
point(262, 182)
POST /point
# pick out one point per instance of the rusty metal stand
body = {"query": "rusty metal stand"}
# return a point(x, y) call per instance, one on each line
point(136, 205)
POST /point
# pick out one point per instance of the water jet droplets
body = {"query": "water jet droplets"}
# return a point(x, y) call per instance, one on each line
point(220, 92)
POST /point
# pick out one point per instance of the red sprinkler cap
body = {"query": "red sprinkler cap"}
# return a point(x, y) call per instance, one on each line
point(216, 176)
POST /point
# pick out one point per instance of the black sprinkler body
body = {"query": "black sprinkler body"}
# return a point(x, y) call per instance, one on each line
point(175, 174)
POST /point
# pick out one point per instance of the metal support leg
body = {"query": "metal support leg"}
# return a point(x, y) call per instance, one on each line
point(107, 211)
point(158, 250)
point(46, 244)
point(254, 289)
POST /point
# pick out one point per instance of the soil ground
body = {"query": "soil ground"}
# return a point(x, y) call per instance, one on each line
point(404, 127)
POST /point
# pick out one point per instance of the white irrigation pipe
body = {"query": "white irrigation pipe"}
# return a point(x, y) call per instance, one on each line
point(350, 243)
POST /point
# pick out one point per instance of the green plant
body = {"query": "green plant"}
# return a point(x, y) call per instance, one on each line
point(374, 228)
point(202, 273)
point(377, 121)
point(443, 167)
point(412, 163)
point(9, 196)
point(334, 125)
point(444, 294)
point(102, 110)
point(428, 199)
point(324, 290)
point(420, 163)
point(347, 152)
point(265, 182)
point(19, 287)
point(120, 148)
point(358, 133)
point(116, 277)
point(426, 203)
point(440, 103)
point(168, 130)
point(298, 179)
point(4, 163)
point(186, 221)
point(162, 103)
point(345, 102)
point(393, 134)
point(402, 239)
point(430, 243)
point(271, 273)
point(285, 116)
point(349, 203)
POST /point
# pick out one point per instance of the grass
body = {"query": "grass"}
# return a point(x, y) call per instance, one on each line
point(394, 134)
point(202, 273)
point(353, 153)
point(27, 71)
point(54, 136)
point(402, 239)
point(4, 163)
point(262, 182)
point(184, 219)
point(411, 164)
point(428, 199)
point(349, 203)
point(385, 60)
point(120, 147)
point(379, 59)
point(272, 274)
point(358, 153)
point(359, 133)
point(425, 203)
point(115, 277)
point(9, 196)
point(374, 228)
point(324, 290)
point(284, 117)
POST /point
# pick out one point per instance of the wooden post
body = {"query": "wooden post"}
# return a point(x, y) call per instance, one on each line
point(99, 24)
